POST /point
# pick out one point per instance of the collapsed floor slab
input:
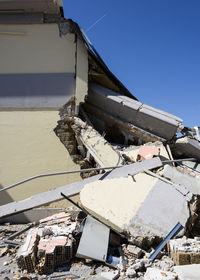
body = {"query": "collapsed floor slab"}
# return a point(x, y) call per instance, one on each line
point(72, 189)
point(151, 119)
point(140, 206)
point(96, 145)
point(177, 177)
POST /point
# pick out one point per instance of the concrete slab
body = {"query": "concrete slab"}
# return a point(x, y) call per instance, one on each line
point(177, 177)
point(94, 240)
point(156, 274)
point(188, 272)
point(140, 207)
point(72, 189)
point(151, 119)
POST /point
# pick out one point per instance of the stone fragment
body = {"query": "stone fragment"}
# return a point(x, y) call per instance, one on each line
point(131, 272)
point(110, 275)
point(25, 277)
point(4, 251)
point(136, 251)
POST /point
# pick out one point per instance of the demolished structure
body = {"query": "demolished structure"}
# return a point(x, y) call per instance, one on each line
point(78, 131)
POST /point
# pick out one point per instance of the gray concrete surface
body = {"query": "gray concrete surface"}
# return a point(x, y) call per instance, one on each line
point(177, 177)
point(188, 272)
point(146, 117)
point(186, 148)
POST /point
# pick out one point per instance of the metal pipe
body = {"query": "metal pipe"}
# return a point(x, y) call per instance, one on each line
point(11, 243)
point(58, 173)
point(80, 171)
point(178, 160)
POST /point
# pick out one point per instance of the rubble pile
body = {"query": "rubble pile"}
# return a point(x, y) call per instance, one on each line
point(49, 245)
point(139, 220)
point(138, 215)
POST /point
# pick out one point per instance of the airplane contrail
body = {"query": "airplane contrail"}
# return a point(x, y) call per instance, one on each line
point(91, 26)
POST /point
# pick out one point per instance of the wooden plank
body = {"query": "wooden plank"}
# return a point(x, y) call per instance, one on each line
point(74, 188)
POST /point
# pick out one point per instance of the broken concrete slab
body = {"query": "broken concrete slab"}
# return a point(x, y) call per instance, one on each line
point(191, 183)
point(139, 206)
point(148, 118)
point(194, 166)
point(188, 272)
point(157, 274)
point(101, 150)
point(94, 240)
point(186, 147)
point(72, 189)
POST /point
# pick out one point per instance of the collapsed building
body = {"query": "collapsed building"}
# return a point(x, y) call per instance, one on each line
point(63, 112)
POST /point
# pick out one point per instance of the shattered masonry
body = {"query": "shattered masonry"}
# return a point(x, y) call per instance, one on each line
point(48, 246)
point(139, 219)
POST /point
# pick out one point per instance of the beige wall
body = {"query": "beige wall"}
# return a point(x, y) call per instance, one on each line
point(39, 49)
point(28, 147)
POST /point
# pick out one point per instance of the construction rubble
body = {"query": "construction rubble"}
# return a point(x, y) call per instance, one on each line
point(139, 200)
point(138, 193)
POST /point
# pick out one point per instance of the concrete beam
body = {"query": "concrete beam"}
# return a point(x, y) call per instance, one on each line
point(146, 117)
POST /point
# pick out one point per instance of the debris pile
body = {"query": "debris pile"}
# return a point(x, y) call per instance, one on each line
point(49, 245)
point(138, 214)
point(127, 219)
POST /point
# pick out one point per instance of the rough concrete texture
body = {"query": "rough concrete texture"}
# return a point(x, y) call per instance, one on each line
point(192, 165)
point(116, 200)
point(146, 117)
point(156, 274)
point(139, 206)
point(101, 150)
point(188, 272)
point(44, 198)
point(177, 177)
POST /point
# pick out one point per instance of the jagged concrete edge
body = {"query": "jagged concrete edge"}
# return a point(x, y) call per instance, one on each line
point(74, 188)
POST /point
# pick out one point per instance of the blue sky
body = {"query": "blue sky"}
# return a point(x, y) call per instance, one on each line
point(152, 46)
